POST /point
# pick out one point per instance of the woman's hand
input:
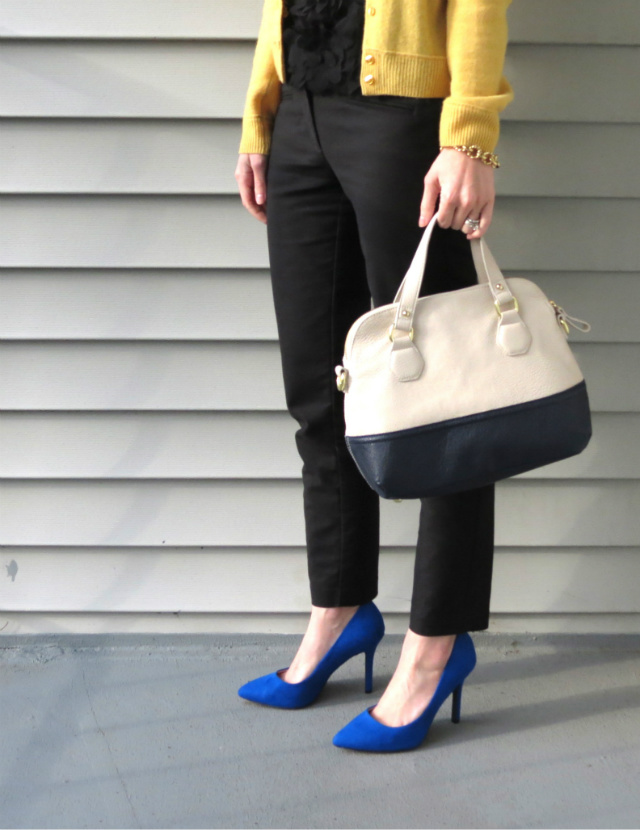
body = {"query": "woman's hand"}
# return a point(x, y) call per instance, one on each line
point(251, 175)
point(466, 188)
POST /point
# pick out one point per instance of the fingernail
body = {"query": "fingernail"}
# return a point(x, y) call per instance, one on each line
point(259, 197)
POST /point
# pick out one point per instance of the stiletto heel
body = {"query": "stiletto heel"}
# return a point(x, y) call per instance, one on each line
point(362, 633)
point(368, 670)
point(455, 704)
point(366, 733)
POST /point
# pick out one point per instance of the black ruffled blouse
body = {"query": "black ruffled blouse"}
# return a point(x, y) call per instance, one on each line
point(322, 42)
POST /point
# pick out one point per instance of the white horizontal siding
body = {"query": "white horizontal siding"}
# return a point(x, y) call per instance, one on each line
point(142, 416)
point(558, 159)
point(557, 580)
point(231, 512)
point(535, 21)
point(123, 79)
point(533, 234)
point(160, 156)
point(166, 79)
point(137, 19)
point(74, 155)
point(217, 375)
point(169, 304)
point(573, 83)
point(589, 22)
point(238, 445)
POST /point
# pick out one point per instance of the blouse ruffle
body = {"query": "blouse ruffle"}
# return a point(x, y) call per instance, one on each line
point(322, 43)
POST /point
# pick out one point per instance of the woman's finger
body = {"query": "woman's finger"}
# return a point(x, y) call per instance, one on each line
point(463, 212)
point(429, 198)
point(259, 166)
point(446, 210)
point(485, 217)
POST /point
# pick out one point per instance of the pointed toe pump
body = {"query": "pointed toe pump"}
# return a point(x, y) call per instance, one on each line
point(367, 734)
point(362, 633)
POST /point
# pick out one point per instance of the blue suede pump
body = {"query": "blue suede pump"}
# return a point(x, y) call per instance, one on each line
point(367, 734)
point(362, 633)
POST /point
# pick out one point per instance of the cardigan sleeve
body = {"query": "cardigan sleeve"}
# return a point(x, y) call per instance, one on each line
point(477, 38)
point(263, 93)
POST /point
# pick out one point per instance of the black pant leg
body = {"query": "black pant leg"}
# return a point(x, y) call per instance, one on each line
point(319, 287)
point(380, 152)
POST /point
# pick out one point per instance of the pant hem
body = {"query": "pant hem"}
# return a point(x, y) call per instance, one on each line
point(444, 630)
point(344, 601)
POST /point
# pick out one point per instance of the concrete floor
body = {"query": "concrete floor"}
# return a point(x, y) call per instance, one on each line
point(147, 731)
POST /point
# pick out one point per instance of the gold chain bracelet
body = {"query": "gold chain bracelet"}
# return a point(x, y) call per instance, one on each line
point(475, 152)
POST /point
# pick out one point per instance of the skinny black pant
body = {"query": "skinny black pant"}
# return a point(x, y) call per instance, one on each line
point(345, 178)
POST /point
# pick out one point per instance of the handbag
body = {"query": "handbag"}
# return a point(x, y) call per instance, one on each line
point(463, 388)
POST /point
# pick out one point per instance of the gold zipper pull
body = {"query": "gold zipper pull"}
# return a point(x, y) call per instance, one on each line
point(566, 320)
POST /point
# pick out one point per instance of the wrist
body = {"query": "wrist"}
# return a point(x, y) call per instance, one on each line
point(475, 152)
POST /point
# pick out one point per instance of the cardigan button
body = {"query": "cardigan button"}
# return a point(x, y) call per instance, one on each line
point(371, 9)
point(369, 79)
point(369, 59)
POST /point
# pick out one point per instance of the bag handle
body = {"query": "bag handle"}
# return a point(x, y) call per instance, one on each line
point(513, 334)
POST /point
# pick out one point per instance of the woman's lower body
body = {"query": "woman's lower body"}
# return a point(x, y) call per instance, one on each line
point(345, 180)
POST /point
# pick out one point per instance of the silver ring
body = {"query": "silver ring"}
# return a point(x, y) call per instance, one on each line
point(475, 223)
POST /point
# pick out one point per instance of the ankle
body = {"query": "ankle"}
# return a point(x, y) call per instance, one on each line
point(332, 617)
point(426, 653)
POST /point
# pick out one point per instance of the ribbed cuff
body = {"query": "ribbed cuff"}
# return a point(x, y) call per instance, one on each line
point(256, 135)
point(462, 124)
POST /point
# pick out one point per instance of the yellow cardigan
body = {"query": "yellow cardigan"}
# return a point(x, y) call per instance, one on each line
point(451, 49)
